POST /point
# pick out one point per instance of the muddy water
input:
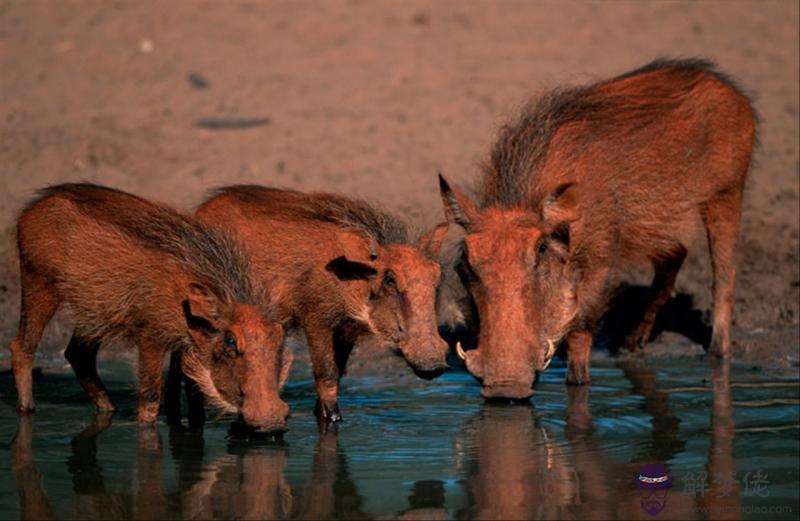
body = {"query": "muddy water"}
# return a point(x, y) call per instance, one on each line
point(728, 436)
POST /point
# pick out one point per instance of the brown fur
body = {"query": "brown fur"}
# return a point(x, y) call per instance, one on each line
point(587, 181)
point(131, 270)
point(346, 212)
point(338, 268)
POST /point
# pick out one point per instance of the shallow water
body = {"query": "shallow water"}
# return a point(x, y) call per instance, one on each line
point(423, 450)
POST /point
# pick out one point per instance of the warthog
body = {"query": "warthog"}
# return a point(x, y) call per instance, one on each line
point(590, 180)
point(338, 268)
point(128, 269)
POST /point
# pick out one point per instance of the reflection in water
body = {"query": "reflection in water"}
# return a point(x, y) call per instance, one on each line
point(246, 483)
point(722, 500)
point(520, 472)
point(666, 442)
point(92, 498)
point(186, 445)
point(87, 476)
point(33, 503)
point(426, 501)
point(331, 493)
point(590, 467)
point(510, 462)
point(517, 472)
point(150, 499)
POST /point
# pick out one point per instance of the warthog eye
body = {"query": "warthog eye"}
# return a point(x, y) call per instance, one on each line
point(465, 271)
point(542, 248)
point(230, 344)
point(389, 282)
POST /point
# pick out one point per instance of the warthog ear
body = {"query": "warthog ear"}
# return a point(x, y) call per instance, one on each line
point(201, 309)
point(458, 207)
point(431, 243)
point(561, 207)
point(345, 269)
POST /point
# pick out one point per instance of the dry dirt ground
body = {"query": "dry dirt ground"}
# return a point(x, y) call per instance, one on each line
point(372, 99)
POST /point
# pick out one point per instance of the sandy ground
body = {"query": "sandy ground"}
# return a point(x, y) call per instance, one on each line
point(372, 99)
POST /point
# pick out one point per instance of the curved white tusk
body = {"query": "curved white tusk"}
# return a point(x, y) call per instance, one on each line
point(551, 350)
point(460, 351)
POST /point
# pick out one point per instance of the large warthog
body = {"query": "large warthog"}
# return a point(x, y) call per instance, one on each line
point(338, 268)
point(128, 269)
point(587, 181)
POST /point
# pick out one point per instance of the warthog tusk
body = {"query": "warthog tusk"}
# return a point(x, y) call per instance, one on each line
point(551, 350)
point(460, 351)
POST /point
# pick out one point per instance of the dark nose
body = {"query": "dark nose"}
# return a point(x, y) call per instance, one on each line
point(272, 429)
point(264, 430)
point(427, 359)
point(507, 391)
point(429, 368)
point(271, 421)
point(429, 374)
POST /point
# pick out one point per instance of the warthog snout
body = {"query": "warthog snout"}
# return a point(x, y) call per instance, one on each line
point(431, 362)
point(269, 422)
point(507, 391)
point(430, 374)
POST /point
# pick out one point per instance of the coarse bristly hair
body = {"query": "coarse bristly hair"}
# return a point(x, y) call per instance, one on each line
point(205, 254)
point(347, 212)
point(523, 145)
point(210, 255)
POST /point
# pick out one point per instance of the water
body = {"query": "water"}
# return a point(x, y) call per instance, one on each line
point(423, 450)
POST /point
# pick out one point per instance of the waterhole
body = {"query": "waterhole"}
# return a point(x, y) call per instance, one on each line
point(726, 436)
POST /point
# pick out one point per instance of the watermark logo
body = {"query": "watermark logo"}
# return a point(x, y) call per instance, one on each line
point(713, 494)
point(653, 483)
point(725, 484)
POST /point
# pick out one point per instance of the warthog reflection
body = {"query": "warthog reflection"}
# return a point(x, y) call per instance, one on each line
point(516, 468)
point(33, 502)
point(246, 483)
point(516, 462)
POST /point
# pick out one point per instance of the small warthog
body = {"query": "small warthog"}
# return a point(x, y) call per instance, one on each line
point(337, 268)
point(587, 181)
point(128, 269)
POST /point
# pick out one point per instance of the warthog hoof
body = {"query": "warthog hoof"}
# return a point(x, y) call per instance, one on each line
point(328, 413)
